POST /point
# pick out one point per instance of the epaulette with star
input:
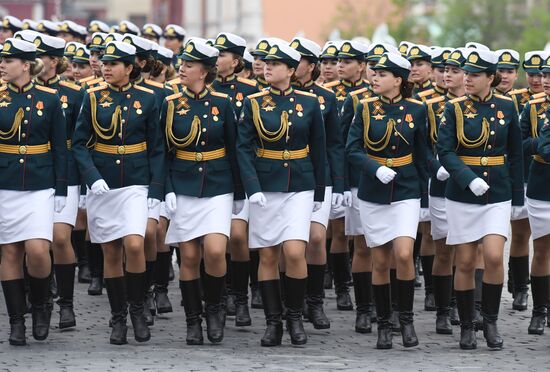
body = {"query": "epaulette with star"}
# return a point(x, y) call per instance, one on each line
point(412, 100)
point(252, 83)
point(431, 101)
point(425, 93)
point(458, 99)
point(503, 97)
point(95, 89)
point(174, 96)
point(259, 94)
point(359, 91)
point(143, 89)
point(46, 89)
point(369, 99)
point(70, 85)
point(154, 83)
point(218, 94)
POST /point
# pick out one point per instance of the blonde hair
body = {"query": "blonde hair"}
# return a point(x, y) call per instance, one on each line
point(36, 67)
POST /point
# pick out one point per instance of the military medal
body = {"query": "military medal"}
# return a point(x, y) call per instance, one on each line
point(322, 102)
point(409, 119)
point(39, 107)
point(239, 98)
point(64, 101)
point(299, 108)
point(137, 106)
point(215, 113)
point(500, 115)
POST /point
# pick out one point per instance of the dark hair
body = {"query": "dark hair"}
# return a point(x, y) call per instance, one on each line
point(62, 65)
point(406, 88)
point(151, 64)
point(136, 70)
point(211, 73)
point(497, 80)
point(170, 73)
point(240, 64)
point(316, 71)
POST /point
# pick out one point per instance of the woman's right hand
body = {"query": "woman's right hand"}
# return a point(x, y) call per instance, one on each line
point(258, 198)
point(170, 202)
point(99, 187)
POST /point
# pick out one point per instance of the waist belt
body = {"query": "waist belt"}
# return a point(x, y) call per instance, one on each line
point(25, 149)
point(200, 156)
point(483, 160)
point(282, 155)
point(122, 149)
point(539, 159)
point(393, 162)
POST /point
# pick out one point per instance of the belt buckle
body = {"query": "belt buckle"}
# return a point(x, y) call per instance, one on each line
point(286, 155)
point(22, 150)
point(484, 161)
point(121, 150)
point(198, 156)
point(389, 162)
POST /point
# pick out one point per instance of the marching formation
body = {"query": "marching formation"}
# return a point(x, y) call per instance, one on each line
point(288, 167)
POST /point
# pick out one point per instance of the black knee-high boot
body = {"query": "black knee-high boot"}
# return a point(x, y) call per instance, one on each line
point(490, 304)
point(417, 262)
point(478, 294)
point(41, 310)
point(229, 296)
point(295, 290)
point(406, 314)
point(382, 301)
point(213, 287)
point(454, 310)
point(327, 280)
point(394, 300)
point(362, 286)
point(443, 286)
point(149, 310)
point(162, 277)
point(520, 274)
point(271, 299)
point(255, 295)
point(116, 291)
point(540, 286)
point(79, 245)
point(135, 287)
point(340, 262)
point(95, 261)
point(64, 275)
point(314, 297)
point(239, 287)
point(427, 265)
point(191, 298)
point(466, 308)
point(14, 294)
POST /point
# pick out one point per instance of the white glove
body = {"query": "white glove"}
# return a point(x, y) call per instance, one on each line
point(385, 174)
point(258, 198)
point(478, 186)
point(238, 206)
point(516, 211)
point(337, 200)
point(82, 202)
point(152, 203)
point(348, 199)
point(317, 206)
point(59, 203)
point(424, 213)
point(170, 202)
point(100, 187)
point(442, 174)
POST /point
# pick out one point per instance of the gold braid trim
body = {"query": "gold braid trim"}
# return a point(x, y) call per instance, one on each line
point(374, 145)
point(534, 121)
point(462, 139)
point(433, 124)
point(194, 132)
point(103, 133)
point(263, 133)
point(355, 100)
point(15, 126)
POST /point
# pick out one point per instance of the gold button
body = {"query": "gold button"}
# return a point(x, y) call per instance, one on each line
point(23, 135)
point(389, 162)
point(489, 147)
point(484, 161)
point(21, 161)
point(29, 96)
point(198, 156)
point(27, 109)
point(206, 103)
point(485, 174)
point(203, 143)
point(285, 165)
point(200, 169)
point(286, 155)
point(121, 150)
point(205, 116)
point(125, 108)
point(22, 150)
point(492, 133)
point(118, 161)
point(203, 130)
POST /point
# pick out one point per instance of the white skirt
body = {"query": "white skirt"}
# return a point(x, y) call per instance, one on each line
point(243, 214)
point(383, 223)
point(322, 215)
point(163, 212)
point(286, 216)
point(438, 213)
point(154, 213)
point(524, 213)
point(68, 214)
point(26, 215)
point(196, 217)
point(539, 217)
point(337, 212)
point(470, 222)
point(353, 225)
point(117, 213)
